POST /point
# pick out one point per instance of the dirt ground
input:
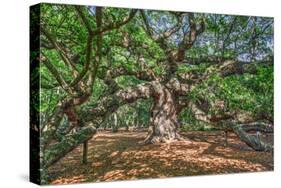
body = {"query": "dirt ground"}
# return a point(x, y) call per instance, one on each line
point(122, 156)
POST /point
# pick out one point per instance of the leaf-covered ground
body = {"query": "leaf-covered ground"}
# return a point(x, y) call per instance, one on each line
point(122, 156)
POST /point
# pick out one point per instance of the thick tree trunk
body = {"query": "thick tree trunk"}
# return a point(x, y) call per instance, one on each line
point(163, 120)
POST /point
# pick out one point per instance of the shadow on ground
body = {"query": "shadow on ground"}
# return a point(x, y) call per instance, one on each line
point(121, 156)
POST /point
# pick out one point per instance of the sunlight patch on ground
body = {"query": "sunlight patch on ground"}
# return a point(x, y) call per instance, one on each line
point(120, 156)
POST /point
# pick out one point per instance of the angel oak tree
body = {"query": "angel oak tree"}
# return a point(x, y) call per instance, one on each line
point(168, 90)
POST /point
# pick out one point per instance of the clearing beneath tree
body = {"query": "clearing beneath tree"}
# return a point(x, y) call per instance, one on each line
point(123, 156)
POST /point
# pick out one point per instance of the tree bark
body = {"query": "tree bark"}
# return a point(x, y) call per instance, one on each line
point(252, 141)
point(58, 150)
point(163, 120)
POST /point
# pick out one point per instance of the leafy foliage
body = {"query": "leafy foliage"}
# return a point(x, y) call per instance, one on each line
point(130, 47)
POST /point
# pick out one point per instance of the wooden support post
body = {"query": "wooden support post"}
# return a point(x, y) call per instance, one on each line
point(85, 152)
point(225, 138)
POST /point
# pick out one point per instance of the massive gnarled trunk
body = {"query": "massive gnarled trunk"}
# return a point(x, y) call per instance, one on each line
point(163, 120)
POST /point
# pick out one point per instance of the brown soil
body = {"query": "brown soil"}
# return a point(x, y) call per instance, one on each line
point(122, 156)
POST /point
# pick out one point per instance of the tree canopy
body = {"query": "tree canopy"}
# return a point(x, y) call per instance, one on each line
point(165, 71)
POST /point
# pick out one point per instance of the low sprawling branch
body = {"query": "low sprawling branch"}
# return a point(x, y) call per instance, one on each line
point(54, 152)
point(110, 104)
point(228, 122)
point(253, 141)
point(69, 142)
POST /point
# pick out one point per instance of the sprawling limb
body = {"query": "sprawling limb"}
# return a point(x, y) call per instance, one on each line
point(252, 141)
point(61, 81)
point(67, 144)
point(240, 129)
point(79, 89)
point(189, 37)
point(161, 40)
point(116, 25)
point(49, 128)
point(85, 87)
point(60, 49)
point(112, 102)
point(224, 69)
